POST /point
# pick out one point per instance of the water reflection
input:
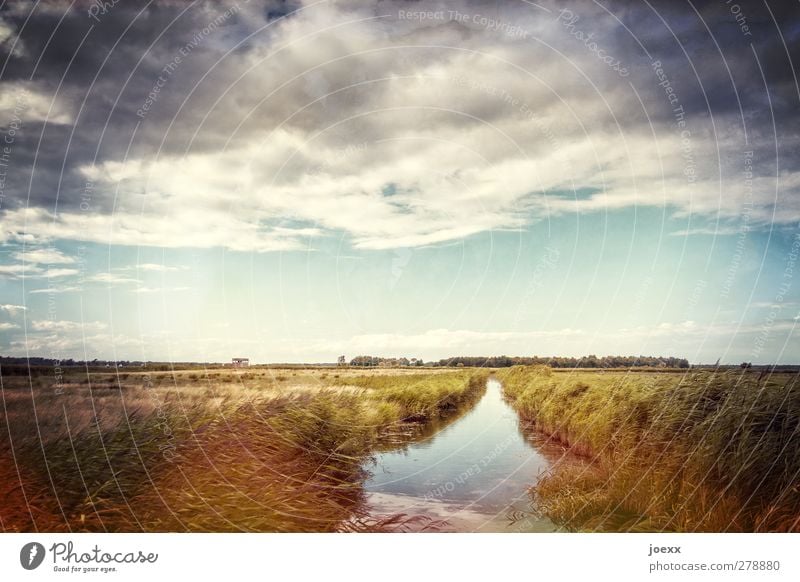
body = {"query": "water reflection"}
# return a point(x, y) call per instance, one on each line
point(474, 473)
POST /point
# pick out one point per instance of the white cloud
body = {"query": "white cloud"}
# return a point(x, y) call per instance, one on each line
point(31, 270)
point(4, 326)
point(110, 278)
point(658, 340)
point(56, 290)
point(12, 309)
point(156, 267)
point(56, 273)
point(441, 343)
point(9, 40)
point(172, 225)
point(147, 290)
point(706, 231)
point(66, 326)
point(49, 256)
point(396, 148)
point(19, 271)
point(27, 101)
point(75, 345)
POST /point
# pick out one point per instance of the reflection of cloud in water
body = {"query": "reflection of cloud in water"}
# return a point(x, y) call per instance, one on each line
point(451, 516)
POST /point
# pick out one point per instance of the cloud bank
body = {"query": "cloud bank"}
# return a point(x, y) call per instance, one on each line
point(260, 126)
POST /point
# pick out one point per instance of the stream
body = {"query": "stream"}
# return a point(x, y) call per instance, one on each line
point(471, 475)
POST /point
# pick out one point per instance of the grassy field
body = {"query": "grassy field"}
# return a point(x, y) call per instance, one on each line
point(220, 450)
point(702, 451)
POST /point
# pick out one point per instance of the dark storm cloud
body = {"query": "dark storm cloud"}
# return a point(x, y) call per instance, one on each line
point(717, 55)
point(104, 71)
point(735, 63)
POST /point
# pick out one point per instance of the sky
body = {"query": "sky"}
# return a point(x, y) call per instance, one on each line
point(294, 181)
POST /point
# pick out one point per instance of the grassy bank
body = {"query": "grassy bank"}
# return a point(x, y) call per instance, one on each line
point(697, 452)
point(218, 451)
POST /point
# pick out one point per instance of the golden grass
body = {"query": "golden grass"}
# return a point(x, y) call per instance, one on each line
point(706, 451)
point(217, 450)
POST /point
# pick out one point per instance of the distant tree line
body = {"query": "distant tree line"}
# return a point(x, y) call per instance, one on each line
point(373, 361)
point(21, 365)
point(11, 365)
point(590, 361)
point(37, 361)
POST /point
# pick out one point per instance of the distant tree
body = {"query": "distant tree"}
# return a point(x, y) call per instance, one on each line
point(364, 361)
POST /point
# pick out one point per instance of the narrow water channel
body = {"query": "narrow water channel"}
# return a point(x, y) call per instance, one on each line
point(473, 475)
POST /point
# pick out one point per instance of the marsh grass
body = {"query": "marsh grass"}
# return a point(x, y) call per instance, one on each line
point(706, 451)
point(207, 452)
point(422, 396)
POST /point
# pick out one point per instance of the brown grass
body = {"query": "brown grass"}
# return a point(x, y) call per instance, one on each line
point(701, 452)
point(221, 450)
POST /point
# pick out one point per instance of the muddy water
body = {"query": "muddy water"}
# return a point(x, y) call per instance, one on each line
point(472, 475)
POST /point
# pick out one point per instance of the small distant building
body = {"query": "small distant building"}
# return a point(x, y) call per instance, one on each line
point(240, 362)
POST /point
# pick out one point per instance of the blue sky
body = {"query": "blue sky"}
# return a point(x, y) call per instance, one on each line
point(593, 288)
point(343, 178)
